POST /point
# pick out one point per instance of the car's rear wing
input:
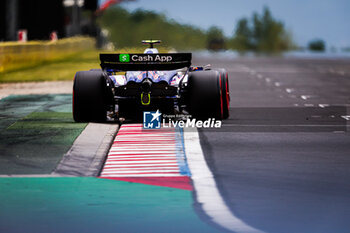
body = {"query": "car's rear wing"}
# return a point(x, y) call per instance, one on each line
point(144, 61)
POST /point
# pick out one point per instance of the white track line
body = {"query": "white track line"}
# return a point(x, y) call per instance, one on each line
point(289, 90)
point(146, 149)
point(323, 105)
point(142, 175)
point(143, 157)
point(143, 162)
point(147, 168)
point(135, 152)
point(346, 118)
point(207, 193)
point(143, 171)
point(140, 165)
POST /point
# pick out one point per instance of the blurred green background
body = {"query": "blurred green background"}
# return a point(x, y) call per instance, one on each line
point(261, 32)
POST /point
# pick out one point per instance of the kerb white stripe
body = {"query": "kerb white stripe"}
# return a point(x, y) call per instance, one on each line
point(207, 193)
point(141, 175)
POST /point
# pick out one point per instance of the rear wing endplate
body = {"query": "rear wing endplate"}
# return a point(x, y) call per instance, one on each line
point(144, 61)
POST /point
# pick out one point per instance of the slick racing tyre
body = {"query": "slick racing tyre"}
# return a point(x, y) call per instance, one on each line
point(90, 97)
point(204, 95)
point(225, 92)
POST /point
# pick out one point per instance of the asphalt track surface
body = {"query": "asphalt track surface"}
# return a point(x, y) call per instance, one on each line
point(282, 159)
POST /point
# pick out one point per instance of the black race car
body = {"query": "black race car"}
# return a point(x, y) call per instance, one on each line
point(129, 84)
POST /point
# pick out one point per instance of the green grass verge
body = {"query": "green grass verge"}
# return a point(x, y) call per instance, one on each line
point(46, 120)
point(35, 132)
point(63, 69)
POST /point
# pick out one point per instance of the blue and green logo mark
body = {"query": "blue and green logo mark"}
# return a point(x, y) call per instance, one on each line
point(151, 120)
point(124, 57)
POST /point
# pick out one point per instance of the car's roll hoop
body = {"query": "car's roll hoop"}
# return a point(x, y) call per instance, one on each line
point(151, 42)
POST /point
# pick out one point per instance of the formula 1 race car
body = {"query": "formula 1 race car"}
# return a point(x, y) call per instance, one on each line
point(129, 84)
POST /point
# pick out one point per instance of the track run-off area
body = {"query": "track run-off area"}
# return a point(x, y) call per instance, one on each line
point(280, 163)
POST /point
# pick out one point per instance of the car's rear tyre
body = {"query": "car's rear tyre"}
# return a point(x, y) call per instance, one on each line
point(204, 95)
point(225, 92)
point(90, 97)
